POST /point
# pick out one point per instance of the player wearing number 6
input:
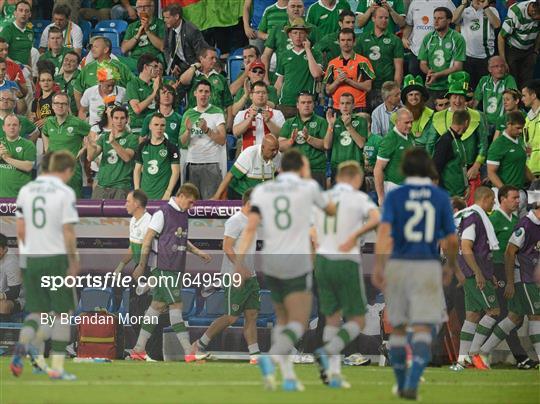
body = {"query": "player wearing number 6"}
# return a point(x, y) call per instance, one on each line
point(238, 299)
point(338, 268)
point(164, 249)
point(284, 206)
point(416, 217)
point(46, 215)
point(442, 52)
point(116, 167)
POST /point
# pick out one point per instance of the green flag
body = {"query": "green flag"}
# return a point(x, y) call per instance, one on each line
point(212, 13)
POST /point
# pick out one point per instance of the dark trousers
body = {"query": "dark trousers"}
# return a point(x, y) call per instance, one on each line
point(414, 66)
point(476, 68)
point(521, 63)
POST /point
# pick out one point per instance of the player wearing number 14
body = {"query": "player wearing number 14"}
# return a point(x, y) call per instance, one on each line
point(416, 217)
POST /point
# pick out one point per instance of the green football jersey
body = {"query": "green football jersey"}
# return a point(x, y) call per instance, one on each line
point(156, 161)
point(68, 87)
point(325, 19)
point(172, 127)
point(66, 136)
point(56, 60)
point(397, 5)
point(278, 40)
point(221, 95)
point(11, 178)
point(343, 146)
point(391, 149)
point(329, 47)
point(440, 54)
point(156, 27)
point(20, 42)
point(503, 226)
point(88, 75)
point(113, 171)
point(489, 94)
point(26, 125)
point(381, 51)
point(371, 149)
point(297, 77)
point(510, 156)
point(316, 127)
point(139, 90)
point(273, 16)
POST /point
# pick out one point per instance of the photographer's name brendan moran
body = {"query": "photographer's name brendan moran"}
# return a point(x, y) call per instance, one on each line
point(96, 319)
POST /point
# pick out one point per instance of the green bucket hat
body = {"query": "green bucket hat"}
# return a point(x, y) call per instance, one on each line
point(458, 83)
point(297, 23)
point(411, 83)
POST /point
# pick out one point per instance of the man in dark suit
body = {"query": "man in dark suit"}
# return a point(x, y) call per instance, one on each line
point(182, 41)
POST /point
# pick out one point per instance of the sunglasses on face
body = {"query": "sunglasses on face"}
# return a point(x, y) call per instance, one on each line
point(258, 71)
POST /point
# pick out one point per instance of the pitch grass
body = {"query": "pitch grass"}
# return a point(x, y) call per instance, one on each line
point(234, 382)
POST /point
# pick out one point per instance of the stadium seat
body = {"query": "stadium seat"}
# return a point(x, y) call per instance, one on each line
point(258, 10)
point(119, 26)
point(86, 27)
point(237, 52)
point(117, 52)
point(123, 307)
point(266, 312)
point(308, 3)
point(38, 26)
point(113, 36)
point(234, 67)
point(214, 307)
point(96, 299)
point(189, 307)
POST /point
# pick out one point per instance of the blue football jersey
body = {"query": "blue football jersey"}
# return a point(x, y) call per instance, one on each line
point(420, 215)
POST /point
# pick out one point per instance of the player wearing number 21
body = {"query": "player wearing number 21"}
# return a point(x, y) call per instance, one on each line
point(284, 206)
point(416, 217)
point(46, 218)
point(116, 167)
point(442, 52)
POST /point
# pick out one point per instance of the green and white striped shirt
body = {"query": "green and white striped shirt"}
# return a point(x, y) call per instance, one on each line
point(519, 29)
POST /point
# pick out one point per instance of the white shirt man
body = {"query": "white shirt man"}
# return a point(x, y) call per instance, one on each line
point(255, 133)
point(478, 32)
point(72, 33)
point(93, 101)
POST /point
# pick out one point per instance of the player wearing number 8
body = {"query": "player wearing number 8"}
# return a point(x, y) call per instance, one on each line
point(442, 53)
point(116, 167)
point(416, 217)
point(284, 206)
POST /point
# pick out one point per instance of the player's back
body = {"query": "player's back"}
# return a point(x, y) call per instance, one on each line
point(352, 208)
point(46, 204)
point(420, 215)
point(285, 206)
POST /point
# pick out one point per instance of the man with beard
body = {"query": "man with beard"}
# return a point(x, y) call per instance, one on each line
point(475, 137)
point(414, 97)
point(449, 156)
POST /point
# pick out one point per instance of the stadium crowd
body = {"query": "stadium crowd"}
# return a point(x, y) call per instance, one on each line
point(153, 106)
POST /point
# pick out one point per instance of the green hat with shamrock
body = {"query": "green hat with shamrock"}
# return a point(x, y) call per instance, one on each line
point(411, 83)
point(458, 83)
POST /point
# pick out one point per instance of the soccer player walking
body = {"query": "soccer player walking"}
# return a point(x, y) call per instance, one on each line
point(244, 298)
point(338, 268)
point(284, 207)
point(416, 217)
point(478, 240)
point(166, 244)
point(523, 294)
point(46, 217)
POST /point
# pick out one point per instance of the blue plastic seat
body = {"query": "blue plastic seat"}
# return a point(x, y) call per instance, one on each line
point(234, 67)
point(86, 27)
point(258, 10)
point(119, 26)
point(214, 307)
point(266, 312)
point(123, 307)
point(189, 308)
point(113, 36)
point(96, 299)
point(40, 25)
